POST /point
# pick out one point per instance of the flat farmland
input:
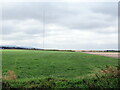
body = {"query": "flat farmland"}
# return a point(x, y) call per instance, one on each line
point(35, 65)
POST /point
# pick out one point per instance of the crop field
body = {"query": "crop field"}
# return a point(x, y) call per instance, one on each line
point(53, 69)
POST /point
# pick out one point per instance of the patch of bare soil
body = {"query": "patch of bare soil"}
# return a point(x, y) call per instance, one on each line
point(108, 54)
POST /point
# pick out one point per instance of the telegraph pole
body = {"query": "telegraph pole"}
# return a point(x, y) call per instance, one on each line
point(43, 27)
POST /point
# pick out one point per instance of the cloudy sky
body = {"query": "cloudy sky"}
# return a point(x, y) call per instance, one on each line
point(65, 25)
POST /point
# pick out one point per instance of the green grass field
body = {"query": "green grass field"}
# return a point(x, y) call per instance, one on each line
point(34, 64)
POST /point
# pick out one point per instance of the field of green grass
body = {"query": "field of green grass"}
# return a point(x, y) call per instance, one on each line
point(36, 65)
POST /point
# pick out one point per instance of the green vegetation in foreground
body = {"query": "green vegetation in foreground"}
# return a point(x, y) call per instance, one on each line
point(33, 67)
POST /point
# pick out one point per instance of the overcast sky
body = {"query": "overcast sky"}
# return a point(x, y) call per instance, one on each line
point(83, 25)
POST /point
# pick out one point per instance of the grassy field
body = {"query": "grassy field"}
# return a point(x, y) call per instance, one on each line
point(52, 66)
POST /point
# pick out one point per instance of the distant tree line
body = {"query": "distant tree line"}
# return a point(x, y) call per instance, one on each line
point(111, 51)
point(24, 48)
point(6, 47)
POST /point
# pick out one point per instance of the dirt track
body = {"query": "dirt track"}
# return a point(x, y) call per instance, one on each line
point(108, 54)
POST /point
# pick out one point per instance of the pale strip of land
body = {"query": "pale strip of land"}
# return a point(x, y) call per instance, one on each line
point(108, 54)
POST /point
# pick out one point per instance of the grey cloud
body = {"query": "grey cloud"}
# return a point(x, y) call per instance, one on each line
point(74, 16)
point(31, 10)
point(8, 29)
point(110, 8)
point(81, 19)
point(35, 31)
point(22, 11)
point(11, 30)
